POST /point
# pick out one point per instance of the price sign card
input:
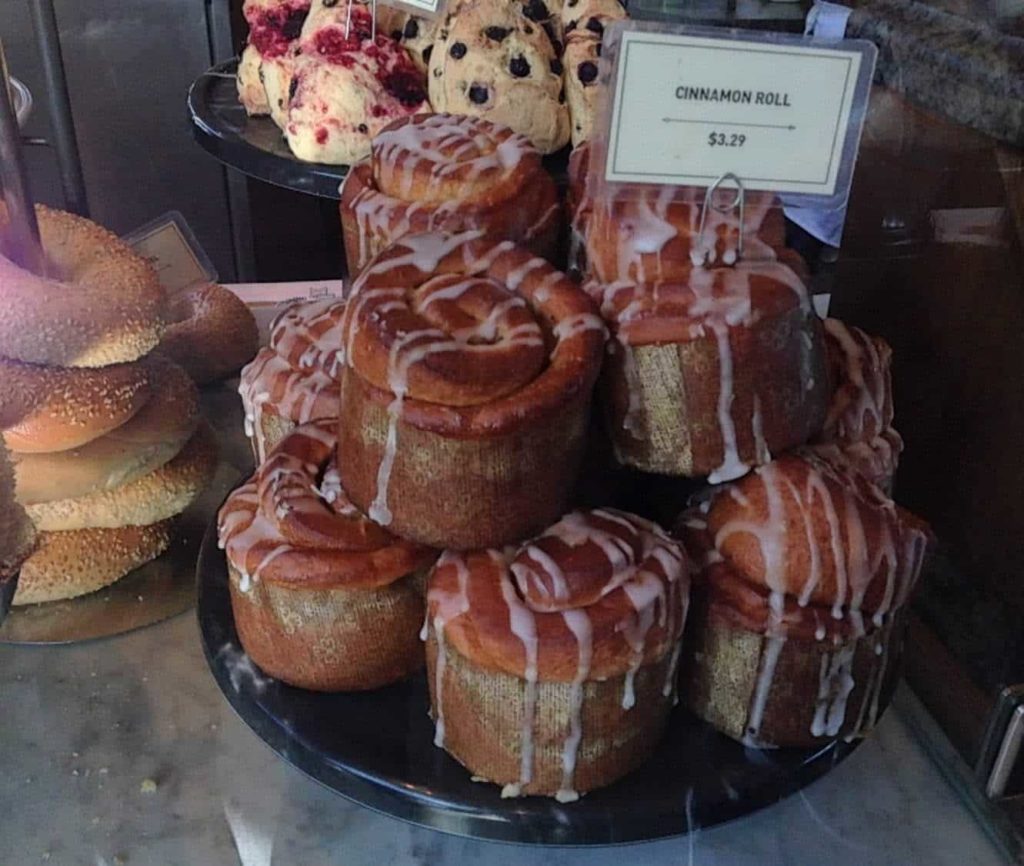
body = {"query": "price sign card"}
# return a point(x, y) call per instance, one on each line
point(688, 105)
point(423, 8)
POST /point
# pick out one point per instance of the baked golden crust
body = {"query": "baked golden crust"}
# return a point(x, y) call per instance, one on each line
point(211, 333)
point(70, 564)
point(163, 493)
point(552, 664)
point(152, 437)
point(685, 383)
point(99, 304)
point(57, 408)
point(469, 369)
point(323, 597)
point(440, 172)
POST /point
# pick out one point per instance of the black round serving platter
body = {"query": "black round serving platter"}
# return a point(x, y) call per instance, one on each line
point(377, 749)
point(255, 145)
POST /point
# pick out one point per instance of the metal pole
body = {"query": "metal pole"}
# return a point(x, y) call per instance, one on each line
point(44, 21)
point(22, 241)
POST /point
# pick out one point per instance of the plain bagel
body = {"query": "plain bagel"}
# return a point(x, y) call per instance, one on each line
point(70, 564)
point(100, 302)
point(56, 408)
point(163, 493)
point(211, 333)
point(149, 440)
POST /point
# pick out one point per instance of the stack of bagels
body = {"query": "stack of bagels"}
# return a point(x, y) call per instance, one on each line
point(105, 435)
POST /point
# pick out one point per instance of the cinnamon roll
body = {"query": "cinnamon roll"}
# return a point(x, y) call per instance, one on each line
point(448, 173)
point(469, 366)
point(712, 375)
point(323, 598)
point(552, 665)
point(858, 431)
point(799, 606)
point(294, 379)
point(652, 234)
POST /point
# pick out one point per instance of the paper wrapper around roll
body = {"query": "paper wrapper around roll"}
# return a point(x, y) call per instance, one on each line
point(766, 691)
point(484, 713)
point(334, 639)
point(496, 489)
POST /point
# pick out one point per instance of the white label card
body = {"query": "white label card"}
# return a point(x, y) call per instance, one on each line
point(173, 250)
point(423, 8)
point(688, 109)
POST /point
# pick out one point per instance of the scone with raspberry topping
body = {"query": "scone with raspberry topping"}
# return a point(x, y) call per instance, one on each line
point(489, 60)
point(346, 89)
point(274, 27)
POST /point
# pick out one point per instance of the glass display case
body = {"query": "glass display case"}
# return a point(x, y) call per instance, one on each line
point(409, 505)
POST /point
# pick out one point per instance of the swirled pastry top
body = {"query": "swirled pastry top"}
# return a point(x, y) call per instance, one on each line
point(473, 335)
point(296, 376)
point(602, 584)
point(292, 523)
point(801, 529)
point(99, 303)
point(642, 314)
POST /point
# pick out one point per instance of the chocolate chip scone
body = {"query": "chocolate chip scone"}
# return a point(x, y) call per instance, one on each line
point(548, 14)
point(491, 61)
point(590, 16)
point(413, 32)
point(582, 89)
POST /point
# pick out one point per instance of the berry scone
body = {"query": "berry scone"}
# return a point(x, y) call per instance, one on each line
point(490, 60)
point(345, 89)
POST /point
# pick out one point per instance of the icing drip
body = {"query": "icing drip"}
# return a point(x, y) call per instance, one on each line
point(446, 606)
point(731, 466)
point(762, 689)
point(835, 683)
point(524, 627)
point(578, 622)
point(631, 419)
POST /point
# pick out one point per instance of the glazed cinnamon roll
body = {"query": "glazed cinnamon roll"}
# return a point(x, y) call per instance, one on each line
point(466, 390)
point(712, 375)
point(652, 234)
point(552, 665)
point(294, 379)
point(448, 173)
point(799, 607)
point(323, 598)
point(858, 431)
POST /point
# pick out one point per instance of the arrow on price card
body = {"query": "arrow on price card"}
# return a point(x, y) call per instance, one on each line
point(728, 123)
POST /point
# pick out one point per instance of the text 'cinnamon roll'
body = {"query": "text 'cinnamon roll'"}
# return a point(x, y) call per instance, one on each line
point(552, 665)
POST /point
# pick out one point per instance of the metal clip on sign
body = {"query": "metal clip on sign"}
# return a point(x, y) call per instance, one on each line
point(700, 253)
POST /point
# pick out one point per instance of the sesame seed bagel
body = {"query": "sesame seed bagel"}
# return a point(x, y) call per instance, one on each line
point(17, 535)
point(162, 493)
point(211, 333)
point(70, 564)
point(100, 303)
point(57, 408)
point(155, 434)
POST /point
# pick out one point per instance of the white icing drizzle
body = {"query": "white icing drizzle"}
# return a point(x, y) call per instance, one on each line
point(524, 627)
point(770, 653)
point(578, 622)
point(835, 683)
point(446, 607)
point(731, 466)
